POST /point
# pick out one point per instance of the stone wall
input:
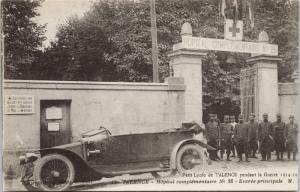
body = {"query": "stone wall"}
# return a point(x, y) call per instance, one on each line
point(121, 107)
point(288, 100)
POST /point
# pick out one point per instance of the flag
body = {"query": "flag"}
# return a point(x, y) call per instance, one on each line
point(235, 5)
point(251, 13)
point(233, 30)
point(223, 7)
point(236, 10)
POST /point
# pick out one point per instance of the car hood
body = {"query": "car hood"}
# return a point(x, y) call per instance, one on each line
point(69, 145)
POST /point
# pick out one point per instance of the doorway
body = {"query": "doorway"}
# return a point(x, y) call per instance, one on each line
point(55, 125)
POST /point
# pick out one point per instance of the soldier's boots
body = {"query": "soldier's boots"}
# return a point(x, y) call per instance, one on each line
point(289, 156)
point(269, 156)
point(253, 155)
point(240, 158)
point(228, 157)
point(216, 156)
point(247, 159)
point(281, 155)
point(222, 154)
point(277, 154)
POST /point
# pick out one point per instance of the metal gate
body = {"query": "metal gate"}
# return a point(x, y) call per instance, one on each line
point(248, 91)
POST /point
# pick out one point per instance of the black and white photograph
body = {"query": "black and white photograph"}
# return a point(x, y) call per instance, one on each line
point(149, 95)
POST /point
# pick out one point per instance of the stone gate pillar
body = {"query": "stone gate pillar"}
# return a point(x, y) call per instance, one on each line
point(266, 96)
point(187, 63)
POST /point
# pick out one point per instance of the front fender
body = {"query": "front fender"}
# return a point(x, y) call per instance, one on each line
point(76, 148)
point(182, 143)
point(83, 172)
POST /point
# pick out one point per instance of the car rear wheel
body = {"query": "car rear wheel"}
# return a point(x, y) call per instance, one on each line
point(54, 172)
point(190, 158)
point(162, 174)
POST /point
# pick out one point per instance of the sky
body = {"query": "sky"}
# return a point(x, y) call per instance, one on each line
point(55, 12)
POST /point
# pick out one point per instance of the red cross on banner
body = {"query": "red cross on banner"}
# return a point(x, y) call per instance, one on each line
point(233, 30)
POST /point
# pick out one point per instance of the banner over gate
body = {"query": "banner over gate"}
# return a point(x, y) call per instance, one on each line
point(198, 43)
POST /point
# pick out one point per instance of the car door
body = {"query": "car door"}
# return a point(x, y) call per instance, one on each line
point(148, 147)
point(139, 147)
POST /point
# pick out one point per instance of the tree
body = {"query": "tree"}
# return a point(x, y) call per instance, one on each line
point(22, 37)
point(78, 54)
point(112, 42)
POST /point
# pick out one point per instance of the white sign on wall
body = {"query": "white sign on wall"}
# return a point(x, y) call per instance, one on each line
point(19, 104)
point(54, 113)
point(53, 126)
point(199, 43)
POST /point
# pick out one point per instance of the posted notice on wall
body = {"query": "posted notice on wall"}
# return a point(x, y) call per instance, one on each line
point(19, 104)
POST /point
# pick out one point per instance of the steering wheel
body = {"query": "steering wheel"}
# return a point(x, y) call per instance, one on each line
point(107, 131)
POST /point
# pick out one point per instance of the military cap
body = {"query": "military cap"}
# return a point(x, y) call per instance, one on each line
point(278, 115)
point(265, 114)
point(291, 116)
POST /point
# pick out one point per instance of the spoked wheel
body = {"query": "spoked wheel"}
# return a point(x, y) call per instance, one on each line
point(190, 158)
point(54, 173)
point(162, 174)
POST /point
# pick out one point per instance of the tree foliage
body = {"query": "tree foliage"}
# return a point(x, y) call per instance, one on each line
point(112, 42)
point(22, 37)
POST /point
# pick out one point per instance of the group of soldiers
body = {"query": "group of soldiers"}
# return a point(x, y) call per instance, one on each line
point(249, 137)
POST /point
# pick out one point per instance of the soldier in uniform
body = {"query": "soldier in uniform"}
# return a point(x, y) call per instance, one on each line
point(212, 134)
point(226, 137)
point(292, 135)
point(265, 135)
point(279, 129)
point(253, 129)
point(233, 123)
point(241, 137)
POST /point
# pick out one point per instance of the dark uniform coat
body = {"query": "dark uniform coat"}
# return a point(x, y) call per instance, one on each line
point(292, 135)
point(212, 133)
point(241, 137)
point(226, 136)
point(265, 130)
point(253, 134)
point(279, 129)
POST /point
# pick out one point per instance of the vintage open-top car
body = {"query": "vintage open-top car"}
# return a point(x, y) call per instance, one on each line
point(99, 154)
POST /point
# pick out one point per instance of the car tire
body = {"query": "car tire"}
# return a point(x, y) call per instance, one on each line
point(54, 167)
point(162, 174)
point(29, 186)
point(185, 161)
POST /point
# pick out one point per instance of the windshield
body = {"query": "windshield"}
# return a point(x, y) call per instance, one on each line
point(93, 132)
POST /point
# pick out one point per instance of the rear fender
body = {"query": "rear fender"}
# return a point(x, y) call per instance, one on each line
point(181, 144)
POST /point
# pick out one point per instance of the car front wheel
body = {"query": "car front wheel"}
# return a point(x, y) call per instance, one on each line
point(54, 172)
point(190, 158)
